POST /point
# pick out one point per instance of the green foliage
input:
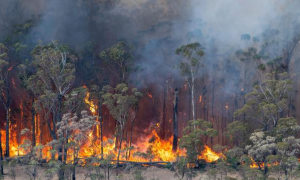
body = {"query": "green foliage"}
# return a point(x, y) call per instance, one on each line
point(192, 54)
point(55, 71)
point(119, 100)
point(119, 59)
point(251, 174)
point(3, 66)
point(261, 149)
point(182, 169)
point(236, 132)
point(192, 138)
point(52, 168)
point(286, 127)
point(233, 157)
point(267, 101)
point(262, 67)
point(74, 101)
point(287, 156)
point(247, 56)
point(219, 170)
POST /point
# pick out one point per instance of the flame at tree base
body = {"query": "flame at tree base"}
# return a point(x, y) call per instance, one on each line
point(209, 155)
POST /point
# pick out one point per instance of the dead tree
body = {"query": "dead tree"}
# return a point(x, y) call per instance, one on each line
point(175, 120)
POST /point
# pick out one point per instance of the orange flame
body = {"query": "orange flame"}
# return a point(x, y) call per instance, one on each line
point(92, 106)
point(156, 148)
point(200, 99)
point(150, 95)
point(261, 164)
point(209, 155)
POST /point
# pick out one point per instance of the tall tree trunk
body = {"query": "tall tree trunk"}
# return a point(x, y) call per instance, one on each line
point(1, 155)
point(175, 121)
point(116, 133)
point(212, 108)
point(33, 123)
point(193, 98)
point(120, 143)
point(130, 143)
point(163, 125)
point(74, 165)
point(101, 128)
point(7, 131)
point(7, 109)
point(60, 149)
point(131, 129)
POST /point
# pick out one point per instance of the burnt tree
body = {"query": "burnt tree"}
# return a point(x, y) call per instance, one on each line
point(175, 120)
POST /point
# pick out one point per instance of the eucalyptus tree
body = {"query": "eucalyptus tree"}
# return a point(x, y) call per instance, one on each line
point(267, 103)
point(24, 72)
point(192, 137)
point(119, 101)
point(53, 80)
point(4, 97)
point(191, 55)
point(119, 60)
point(261, 149)
point(96, 95)
point(54, 77)
point(75, 127)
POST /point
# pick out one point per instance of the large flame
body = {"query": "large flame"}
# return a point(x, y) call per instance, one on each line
point(147, 148)
point(92, 106)
point(209, 155)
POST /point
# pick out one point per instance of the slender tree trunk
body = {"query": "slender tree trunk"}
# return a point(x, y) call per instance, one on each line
point(131, 130)
point(65, 149)
point(175, 121)
point(212, 108)
point(7, 131)
point(120, 143)
point(7, 109)
point(116, 133)
point(60, 149)
point(1, 154)
point(74, 165)
point(163, 125)
point(101, 128)
point(33, 123)
point(193, 98)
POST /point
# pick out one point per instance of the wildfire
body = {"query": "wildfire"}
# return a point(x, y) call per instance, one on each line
point(92, 106)
point(200, 99)
point(209, 155)
point(261, 164)
point(150, 95)
point(147, 148)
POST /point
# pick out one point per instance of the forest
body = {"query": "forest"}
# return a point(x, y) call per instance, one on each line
point(149, 89)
